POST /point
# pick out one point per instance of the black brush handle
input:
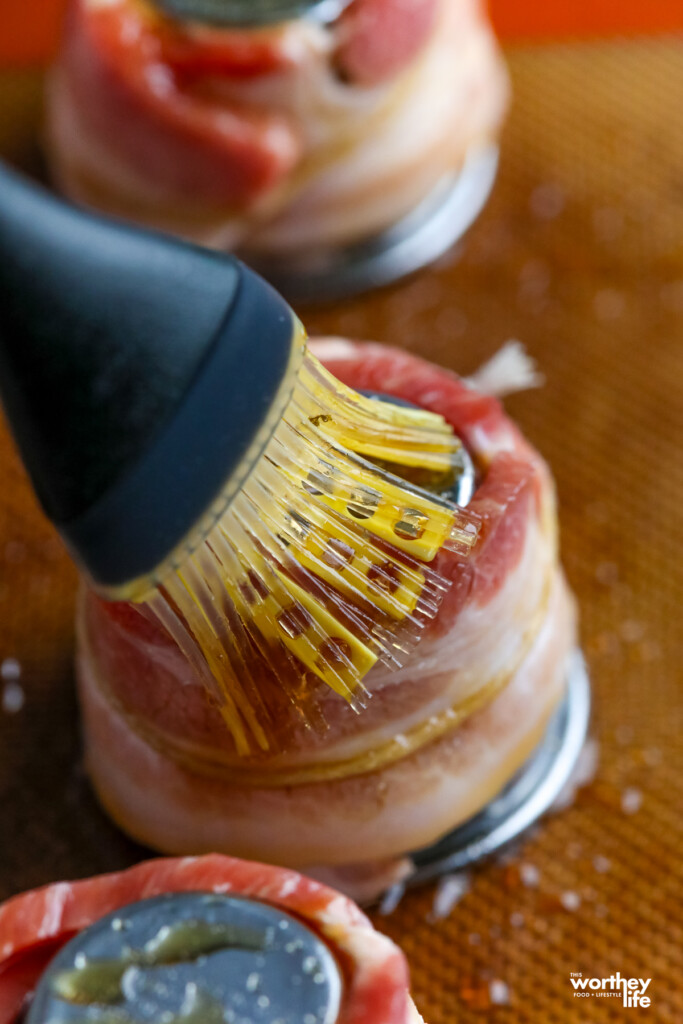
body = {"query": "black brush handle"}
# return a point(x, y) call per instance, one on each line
point(135, 371)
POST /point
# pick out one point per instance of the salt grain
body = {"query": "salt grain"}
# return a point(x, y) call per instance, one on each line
point(13, 698)
point(606, 644)
point(609, 304)
point(650, 650)
point(631, 800)
point(570, 901)
point(449, 892)
point(607, 573)
point(582, 775)
point(391, 899)
point(631, 632)
point(517, 920)
point(10, 670)
point(530, 875)
point(601, 864)
point(499, 993)
point(547, 201)
point(534, 279)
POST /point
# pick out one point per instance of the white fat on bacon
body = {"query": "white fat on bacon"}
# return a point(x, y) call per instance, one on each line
point(502, 654)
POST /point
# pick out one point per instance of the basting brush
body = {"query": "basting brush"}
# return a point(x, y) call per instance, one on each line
point(202, 464)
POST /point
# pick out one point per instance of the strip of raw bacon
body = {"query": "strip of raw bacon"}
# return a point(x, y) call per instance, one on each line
point(379, 38)
point(35, 925)
point(130, 76)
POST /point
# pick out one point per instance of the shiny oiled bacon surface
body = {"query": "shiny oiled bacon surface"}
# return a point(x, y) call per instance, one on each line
point(138, 664)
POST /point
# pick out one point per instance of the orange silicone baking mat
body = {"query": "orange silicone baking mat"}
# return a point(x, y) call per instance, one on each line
point(29, 31)
point(580, 255)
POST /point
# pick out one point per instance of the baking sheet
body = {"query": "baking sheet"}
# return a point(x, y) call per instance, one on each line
point(580, 255)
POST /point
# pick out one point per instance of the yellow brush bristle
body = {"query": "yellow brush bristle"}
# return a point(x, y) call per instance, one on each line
point(318, 568)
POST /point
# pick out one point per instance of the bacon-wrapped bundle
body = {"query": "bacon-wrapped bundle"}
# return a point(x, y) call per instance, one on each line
point(439, 737)
point(275, 139)
point(35, 925)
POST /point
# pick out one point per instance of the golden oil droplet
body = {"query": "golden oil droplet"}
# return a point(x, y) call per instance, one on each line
point(385, 576)
point(304, 686)
point(247, 592)
point(475, 994)
point(337, 554)
point(336, 651)
point(258, 584)
point(299, 526)
point(411, 525)
point(320, 481)
point(294, 620)
point(364, 503)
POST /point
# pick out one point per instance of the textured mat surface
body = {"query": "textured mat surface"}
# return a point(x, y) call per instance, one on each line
point(580, 255)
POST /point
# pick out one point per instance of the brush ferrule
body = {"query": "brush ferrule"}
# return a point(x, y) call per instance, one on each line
point(148, 523)
point(142, 588)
